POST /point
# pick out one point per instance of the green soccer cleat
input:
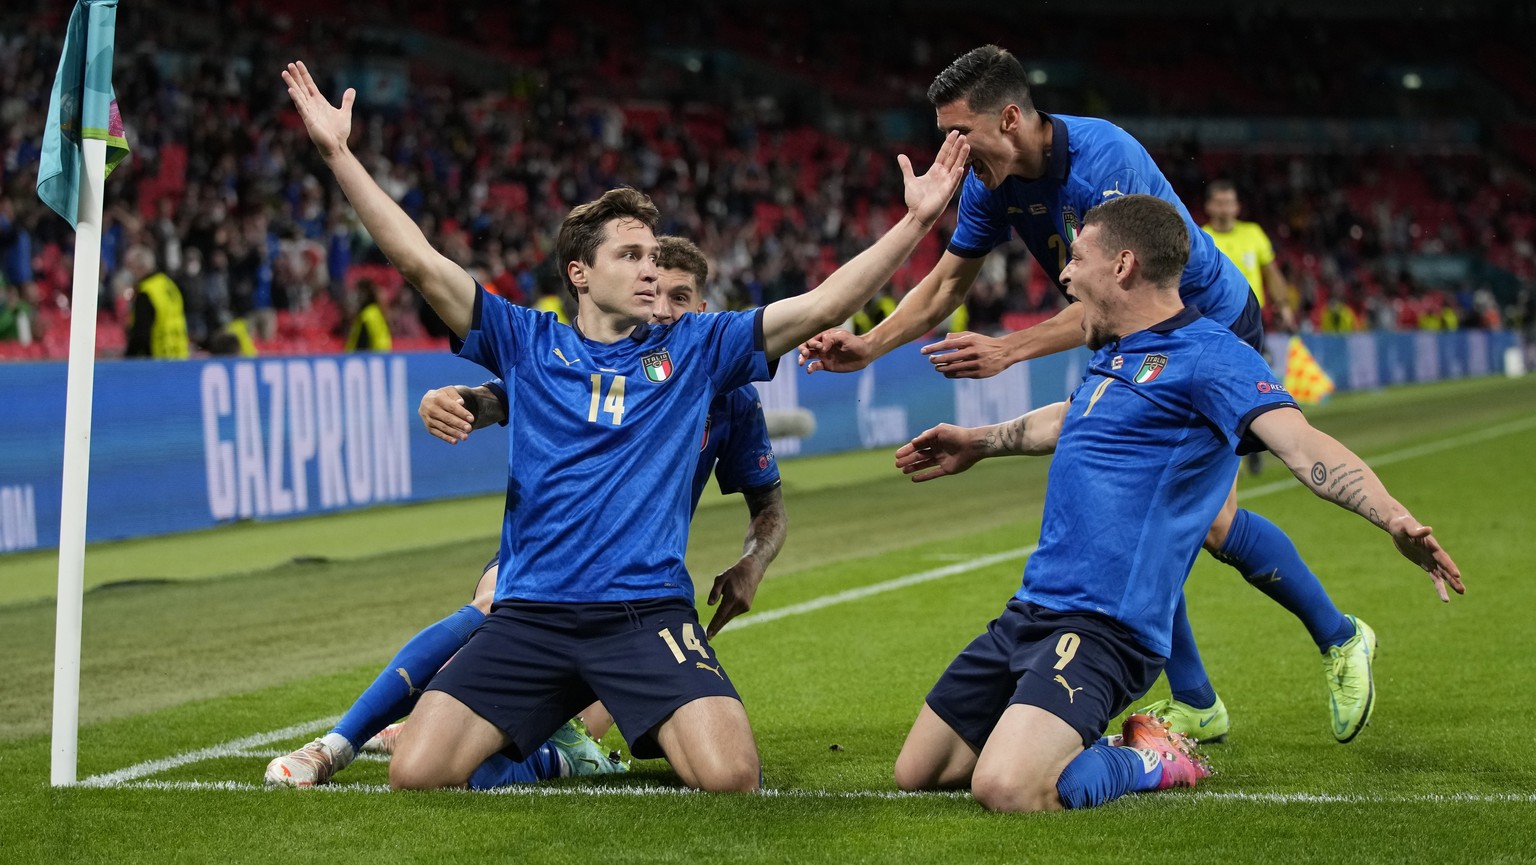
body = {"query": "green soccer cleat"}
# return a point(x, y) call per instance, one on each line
point(580, 754)
point(1206, 726)
point(1351, 689)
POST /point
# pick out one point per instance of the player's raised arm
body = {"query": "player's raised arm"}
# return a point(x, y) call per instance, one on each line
point(949, 450)
point(443, 283)
point(788, 322)
point(1333, 472)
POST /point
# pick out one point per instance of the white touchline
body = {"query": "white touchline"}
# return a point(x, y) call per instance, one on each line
point(538, 791)
point(235, 747)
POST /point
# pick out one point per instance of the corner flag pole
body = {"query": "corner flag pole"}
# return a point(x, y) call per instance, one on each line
point(83, 126)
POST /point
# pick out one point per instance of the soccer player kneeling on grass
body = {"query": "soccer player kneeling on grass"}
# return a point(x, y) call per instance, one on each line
point(1145, 450)
point(592, 600)
point(735, 448)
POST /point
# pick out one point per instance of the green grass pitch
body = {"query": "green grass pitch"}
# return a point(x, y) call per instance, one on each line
point(205, 655)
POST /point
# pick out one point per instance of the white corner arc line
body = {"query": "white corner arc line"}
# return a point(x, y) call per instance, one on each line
point(232, 748)
point(235, 747)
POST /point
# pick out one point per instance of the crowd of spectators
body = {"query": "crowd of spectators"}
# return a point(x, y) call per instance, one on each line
point(225, 190)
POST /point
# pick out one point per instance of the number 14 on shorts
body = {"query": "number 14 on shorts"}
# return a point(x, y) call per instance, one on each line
point(690, 642)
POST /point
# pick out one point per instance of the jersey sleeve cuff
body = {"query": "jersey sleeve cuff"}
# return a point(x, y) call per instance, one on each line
point(1247, 442)
point(968, 252)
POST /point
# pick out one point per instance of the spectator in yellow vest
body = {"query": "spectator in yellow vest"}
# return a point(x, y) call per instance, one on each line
point(370, 329)
point(157, 323)
point(1248, 247)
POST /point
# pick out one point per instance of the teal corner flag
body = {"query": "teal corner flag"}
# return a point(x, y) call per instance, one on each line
point(83, 105)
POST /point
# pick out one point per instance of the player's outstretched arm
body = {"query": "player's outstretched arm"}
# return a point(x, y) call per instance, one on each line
point(451, 413)
point(1334, 472)
point(949, 450)
point(972, 355)
point(789, 322)
point(736, 587)
point(444, 284)
point(929, 302)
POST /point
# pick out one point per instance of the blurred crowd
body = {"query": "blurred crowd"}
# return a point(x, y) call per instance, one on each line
point(487, 141)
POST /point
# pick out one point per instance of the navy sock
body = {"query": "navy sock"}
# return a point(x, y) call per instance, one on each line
point(1270, 562)
point(1103, 773)
point(394, 693)
point(1186, 674)
point(499, 770)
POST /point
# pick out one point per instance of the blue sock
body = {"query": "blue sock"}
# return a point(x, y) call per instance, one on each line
point(394, 693)
point(1103, 773)
point(1268, 560)
point(502, 771)
point(1186, 674)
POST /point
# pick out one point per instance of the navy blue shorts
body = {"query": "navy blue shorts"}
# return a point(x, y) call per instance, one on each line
point(1081, 667)
point(530, 667)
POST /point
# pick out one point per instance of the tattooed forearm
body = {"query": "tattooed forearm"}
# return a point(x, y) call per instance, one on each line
point(1345, 487)
point(1005, 437)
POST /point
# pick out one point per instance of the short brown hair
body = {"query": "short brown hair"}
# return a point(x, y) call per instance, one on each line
point(584, 227)
point(680, 253)
point(987, 78)
point(1148, 226)
point(1218, 186)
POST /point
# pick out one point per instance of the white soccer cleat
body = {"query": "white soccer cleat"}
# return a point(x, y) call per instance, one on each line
point(384, 742)
point(312, 764)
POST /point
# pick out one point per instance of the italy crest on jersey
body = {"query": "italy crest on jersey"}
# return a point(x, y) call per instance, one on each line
point(1069, 222)
point(658, 365)
point(1151, 368)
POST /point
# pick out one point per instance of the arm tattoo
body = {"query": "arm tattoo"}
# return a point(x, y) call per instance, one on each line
point(1319, 474)
point(1005, 438)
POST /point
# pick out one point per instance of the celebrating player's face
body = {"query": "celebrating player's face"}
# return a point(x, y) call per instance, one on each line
point(1089, 278)
point(679, 296)
point(622, 276)
point(991, 152)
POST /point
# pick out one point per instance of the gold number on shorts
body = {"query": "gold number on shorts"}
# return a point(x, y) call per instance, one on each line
point(1066, 649)
point(613, 403)
point(690, 640)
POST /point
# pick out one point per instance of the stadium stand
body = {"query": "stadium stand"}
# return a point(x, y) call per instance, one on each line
point(488, 122)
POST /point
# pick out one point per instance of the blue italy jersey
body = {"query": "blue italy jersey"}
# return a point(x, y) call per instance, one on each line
point(1147, 454)
point(1091, 161)
point(735, 447)
point(602, 441)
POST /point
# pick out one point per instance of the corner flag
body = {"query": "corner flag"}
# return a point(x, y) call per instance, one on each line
point(82, 142)
point(1304, 376)
point(83, 105)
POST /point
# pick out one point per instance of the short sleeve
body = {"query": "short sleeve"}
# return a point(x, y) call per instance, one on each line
point(980, 227)
point(731, 344)
point(497, 328)
point(1235, 386)
point(1262, 246)
point(745, 460)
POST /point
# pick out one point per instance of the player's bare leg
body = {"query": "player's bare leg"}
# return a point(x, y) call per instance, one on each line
point(1023, 759)
point(934, 757)
point(442, 745)
point(597, 719)
point(710, 745)
point(1216, 536)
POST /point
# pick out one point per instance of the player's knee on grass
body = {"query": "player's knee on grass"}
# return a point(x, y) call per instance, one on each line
point(724, 773)
point(1005, 788)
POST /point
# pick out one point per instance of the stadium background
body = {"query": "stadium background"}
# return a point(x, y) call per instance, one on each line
point(1390, 159)
point(1389, 152)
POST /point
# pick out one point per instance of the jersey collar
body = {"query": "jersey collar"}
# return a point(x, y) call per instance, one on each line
point(1187, 315)
point(1061, 149)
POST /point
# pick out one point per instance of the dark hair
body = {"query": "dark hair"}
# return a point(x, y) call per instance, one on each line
point(680, 253)
point(1216, 186)
point(987, 78)
point(1148, 226)
point(585, 226)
